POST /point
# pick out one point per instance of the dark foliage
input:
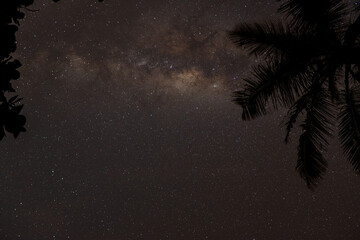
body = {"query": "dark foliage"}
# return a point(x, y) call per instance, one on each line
point(310, 65)
point(10, 14)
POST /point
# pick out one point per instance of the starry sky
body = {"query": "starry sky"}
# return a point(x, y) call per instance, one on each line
point(131, 132)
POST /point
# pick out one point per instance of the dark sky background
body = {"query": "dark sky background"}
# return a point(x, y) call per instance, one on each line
point(132, 133)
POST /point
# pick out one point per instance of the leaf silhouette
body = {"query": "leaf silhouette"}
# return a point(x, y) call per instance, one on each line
point(311, 65)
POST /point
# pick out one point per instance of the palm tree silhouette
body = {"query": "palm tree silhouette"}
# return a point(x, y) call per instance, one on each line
point(310, 64)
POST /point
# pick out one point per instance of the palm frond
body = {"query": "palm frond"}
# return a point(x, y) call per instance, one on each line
point(269, 38)
point(301, 104)
point(327, 14)
point(355, 72)
point(332, 86)
point(298, 107)
point(278, 82)
point(330, 69)
point(311, 164)
point(349, 118)
point(352, 33)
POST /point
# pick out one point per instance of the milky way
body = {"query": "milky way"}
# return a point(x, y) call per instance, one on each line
point(132, 133)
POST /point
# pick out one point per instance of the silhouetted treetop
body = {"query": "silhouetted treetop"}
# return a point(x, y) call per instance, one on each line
point(311, 65)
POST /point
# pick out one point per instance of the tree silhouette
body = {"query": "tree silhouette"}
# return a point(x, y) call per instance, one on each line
point(10, 14)
point(310, 64)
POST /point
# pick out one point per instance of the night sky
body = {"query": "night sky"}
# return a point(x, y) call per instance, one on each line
point(131, 132)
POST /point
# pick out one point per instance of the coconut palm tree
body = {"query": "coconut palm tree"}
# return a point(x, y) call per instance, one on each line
point(310, 64)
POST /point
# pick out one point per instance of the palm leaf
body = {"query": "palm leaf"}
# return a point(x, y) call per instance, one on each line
point(269, 38)
point(298, 107)
point(311, 164)
point(352, 37)
point(332, 81)
point(355, 72)
point(325, 14)
point(278, 82)
point(349, 118)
